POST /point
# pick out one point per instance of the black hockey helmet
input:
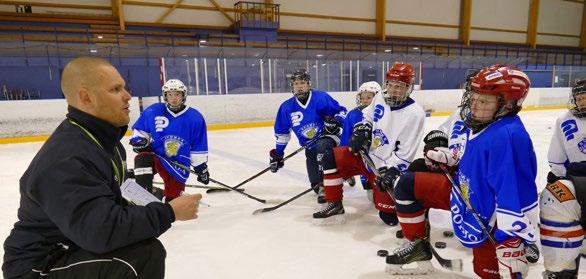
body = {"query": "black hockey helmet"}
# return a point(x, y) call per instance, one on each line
point(578, 89)
point(302, 93)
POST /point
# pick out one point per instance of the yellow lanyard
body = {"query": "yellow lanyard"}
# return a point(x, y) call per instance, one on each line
point(117, 174)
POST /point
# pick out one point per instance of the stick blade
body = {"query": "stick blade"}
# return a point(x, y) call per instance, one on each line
point(450, 264)
point(453, 265)
point(221, 190)
point(262, 210)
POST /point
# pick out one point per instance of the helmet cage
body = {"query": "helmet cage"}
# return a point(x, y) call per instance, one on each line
point(300, 74)
point(359, 97)
point(371, 87)
point(466, 112)
point(177, 86)
point(507, 83)
point(578, 97)
point(393, 100)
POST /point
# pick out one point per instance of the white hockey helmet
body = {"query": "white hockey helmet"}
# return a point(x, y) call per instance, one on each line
point(174, 85)
point(370, 86)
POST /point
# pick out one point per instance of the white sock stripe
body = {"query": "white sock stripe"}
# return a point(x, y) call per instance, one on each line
point(141, 171)
point(561, 229)
point(87, 262)
point(404, 202)
point(333, 182)
point(330, 171)
point(412, 220)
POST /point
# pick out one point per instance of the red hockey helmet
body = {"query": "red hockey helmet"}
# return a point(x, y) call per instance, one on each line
point(399, 84)
point(509, 84)
point(401, 72)
point(503, 81)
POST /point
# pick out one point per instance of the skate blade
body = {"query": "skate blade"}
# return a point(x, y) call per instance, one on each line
point(330, 221)
point(423, 267)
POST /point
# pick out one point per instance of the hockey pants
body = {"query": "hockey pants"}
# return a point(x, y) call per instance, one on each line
point(417, 192)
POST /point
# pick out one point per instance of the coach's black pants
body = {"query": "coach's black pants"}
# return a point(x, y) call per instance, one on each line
point(145, 259)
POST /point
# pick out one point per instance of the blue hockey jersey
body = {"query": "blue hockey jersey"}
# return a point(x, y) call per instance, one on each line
point(306, 121)
point(180, 137)
point(497, 175)
point(353, 117)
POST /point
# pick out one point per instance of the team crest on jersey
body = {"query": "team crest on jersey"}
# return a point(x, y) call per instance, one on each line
point(309, 131)
point(172, 145)
point(465, 187)
point(582, 145)
point(379, 138)
point(296, 118)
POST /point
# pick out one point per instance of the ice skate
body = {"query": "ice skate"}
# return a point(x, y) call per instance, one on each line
point(351, 181)
point(417, 251)
point(321, 195)
point(331, 214)
point(566, 274)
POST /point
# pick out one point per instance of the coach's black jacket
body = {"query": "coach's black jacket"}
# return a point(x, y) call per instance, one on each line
point(70, 193)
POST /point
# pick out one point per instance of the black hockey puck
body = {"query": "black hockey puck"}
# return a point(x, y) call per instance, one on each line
point(399, 234)
point(382, 253)
point(448, 233)
point(440, 245)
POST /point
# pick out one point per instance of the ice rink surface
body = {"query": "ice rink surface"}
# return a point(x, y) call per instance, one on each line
point(227, 241)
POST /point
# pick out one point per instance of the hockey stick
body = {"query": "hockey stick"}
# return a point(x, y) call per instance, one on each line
point(453, 265)
point(226, 186)
point(371, 165)
point(469, 206)
point(268, 209)
point(264, 170)
point(467, 203)
point(192, 185)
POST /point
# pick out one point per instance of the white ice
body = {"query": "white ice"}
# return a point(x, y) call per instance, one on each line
point(227, 241)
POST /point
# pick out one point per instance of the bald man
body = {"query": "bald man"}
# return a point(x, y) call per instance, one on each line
point(72, 220)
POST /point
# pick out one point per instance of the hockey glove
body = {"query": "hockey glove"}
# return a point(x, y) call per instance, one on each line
point(203, 175)
point(140, 144)
point(361, 137)
point(433, 139)
point(332, 127)
point(511, 258)
point(551, 178)
point(276, 161)
point(443, 155)
point(386, 181)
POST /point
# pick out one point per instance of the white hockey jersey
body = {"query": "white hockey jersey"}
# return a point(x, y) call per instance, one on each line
point(568, 143)
point(457, 133)
point(396, 132)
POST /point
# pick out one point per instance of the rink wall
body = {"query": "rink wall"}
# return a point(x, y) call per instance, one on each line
point(22, 121)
